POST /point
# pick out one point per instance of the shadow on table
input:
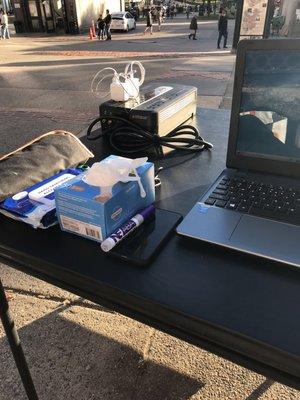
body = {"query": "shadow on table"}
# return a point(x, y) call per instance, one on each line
point(68, 361)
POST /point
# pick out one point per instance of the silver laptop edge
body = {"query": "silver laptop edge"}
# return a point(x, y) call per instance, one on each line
point(253, 155)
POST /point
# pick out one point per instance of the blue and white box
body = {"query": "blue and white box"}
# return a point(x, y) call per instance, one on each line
point(87, 211)
point(36, 205)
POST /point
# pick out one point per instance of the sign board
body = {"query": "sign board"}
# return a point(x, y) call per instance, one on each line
point(254, 17)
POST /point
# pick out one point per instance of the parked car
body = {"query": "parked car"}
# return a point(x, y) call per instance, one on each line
point(122, 21)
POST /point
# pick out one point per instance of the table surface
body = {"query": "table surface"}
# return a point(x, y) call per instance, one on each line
point(241, 307)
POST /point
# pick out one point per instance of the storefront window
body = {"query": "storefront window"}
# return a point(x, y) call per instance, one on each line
point(33, 9)
point(286, 18)
point(48, 13)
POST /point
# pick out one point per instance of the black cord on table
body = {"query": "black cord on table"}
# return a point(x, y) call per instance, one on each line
point(131, 138)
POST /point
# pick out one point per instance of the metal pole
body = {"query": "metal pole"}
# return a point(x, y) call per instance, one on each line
point(15, 346)
point(269, 16)
point(238, 22)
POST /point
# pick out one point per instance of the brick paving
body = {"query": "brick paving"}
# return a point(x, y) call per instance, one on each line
point(221, 76)
point(125, 54)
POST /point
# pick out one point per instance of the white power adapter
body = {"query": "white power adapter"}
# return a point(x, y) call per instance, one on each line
point(120, 91)
point(124, 86)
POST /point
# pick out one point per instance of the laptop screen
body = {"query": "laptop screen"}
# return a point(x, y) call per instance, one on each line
point(269, 118)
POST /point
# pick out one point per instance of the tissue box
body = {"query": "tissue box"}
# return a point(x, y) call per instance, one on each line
point(81, 209)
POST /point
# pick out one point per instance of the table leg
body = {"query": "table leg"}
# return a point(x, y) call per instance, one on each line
point(15, 345)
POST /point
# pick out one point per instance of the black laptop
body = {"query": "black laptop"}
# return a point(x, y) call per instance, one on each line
point(254, 205)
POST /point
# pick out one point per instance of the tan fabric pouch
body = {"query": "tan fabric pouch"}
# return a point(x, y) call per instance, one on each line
point(37, 160)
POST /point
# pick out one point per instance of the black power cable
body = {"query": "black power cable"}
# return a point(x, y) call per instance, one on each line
point(131, 138)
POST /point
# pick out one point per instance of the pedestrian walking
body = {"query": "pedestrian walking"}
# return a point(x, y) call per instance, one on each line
point(137, 13)
point(4, 26)
point(107, 21)
point(154, 14)
point(208, 9)
point(172, 12)
point(159, 18)
point(1, 15)
point(100, 27)
point(201, 10)
point(188, 12)
point(149, 20)
point(223, 28)
point(193, 28)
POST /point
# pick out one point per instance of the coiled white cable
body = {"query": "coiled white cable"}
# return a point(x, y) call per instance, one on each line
point(93, 89)
point(131, 72)
point(127, 76)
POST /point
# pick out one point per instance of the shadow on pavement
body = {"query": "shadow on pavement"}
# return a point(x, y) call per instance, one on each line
point(63, 62)
point(260, 390)
point(68, 361)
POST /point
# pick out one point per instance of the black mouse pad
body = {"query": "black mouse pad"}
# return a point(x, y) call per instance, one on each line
point(142, 245)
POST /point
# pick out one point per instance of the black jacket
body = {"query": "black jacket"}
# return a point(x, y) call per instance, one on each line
point(100, 23)
point(194, 25)
point(223, 23)
point(107, 19)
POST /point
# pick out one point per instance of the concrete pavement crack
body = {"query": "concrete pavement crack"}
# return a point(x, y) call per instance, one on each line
point(78, 302)
point(143, 363)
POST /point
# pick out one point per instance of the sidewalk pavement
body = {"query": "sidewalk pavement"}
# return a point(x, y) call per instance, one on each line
point(77, 350)
point(173, 38)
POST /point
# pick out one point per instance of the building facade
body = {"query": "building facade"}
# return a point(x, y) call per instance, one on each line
point(60, 16)
point(6, 5)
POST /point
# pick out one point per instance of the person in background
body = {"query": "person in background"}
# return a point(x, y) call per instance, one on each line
point(172, 12)
point(208, 9)
point(168, 11)
point(133, 12)
point(149, 20)
point(4, 22)
point(1, 14)
point(193, 28)
point(154, 13)
point(201, 10)
point(100, 27)
point(188, 11)
point(222, 26)
point(232, 10)
point(137, 13)
point(159, 18)
point(107, 21)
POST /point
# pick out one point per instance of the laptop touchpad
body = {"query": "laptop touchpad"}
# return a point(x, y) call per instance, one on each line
point(262, 236)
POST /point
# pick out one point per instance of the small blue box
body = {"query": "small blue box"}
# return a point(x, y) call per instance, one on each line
point(81, 210)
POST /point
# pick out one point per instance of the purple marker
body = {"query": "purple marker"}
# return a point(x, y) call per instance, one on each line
point(127, 228)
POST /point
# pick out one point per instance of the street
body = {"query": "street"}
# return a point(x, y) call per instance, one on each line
point(45, 81)
point(76, 349)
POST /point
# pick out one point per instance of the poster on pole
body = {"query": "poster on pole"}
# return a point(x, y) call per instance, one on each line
point(254, 17)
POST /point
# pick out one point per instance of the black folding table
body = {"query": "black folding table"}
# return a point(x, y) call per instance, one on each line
point(238, 306)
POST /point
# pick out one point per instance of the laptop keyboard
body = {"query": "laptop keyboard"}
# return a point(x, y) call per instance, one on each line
point(257, 198)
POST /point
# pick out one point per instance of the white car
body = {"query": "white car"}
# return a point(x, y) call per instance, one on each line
point(122, 21)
